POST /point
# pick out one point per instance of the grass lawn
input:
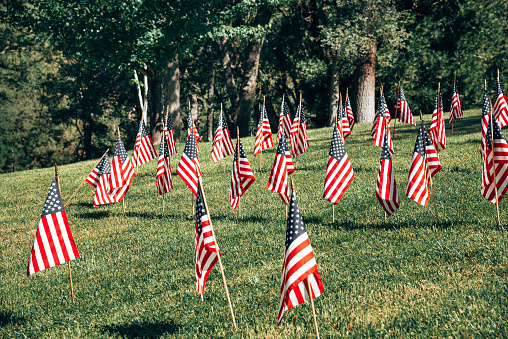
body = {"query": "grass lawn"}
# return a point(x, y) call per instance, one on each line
point(408, 277)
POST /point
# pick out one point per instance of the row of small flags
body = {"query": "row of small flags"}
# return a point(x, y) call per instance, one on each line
point(301, 282)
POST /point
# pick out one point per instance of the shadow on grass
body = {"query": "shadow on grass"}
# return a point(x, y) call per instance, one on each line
point(157, 214)
point(8, 318)
point(144, 329)
point(95, 214)
point(388, 225)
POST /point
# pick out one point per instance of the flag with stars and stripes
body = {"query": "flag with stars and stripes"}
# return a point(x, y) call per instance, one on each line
point(386, 188)
point(349, 112)
point(339, 172)
point(163, 178)
point(298, 134)
point(206, 253)
point(122, 172)
point(284, 121)
point(437, 127)
point(263, 133)
point(501, 106)
point(405, 113)
point(344, 122)
point(222, 144)
point(241, 176)
point(53, 244)
point(94, 176)
point(456, 106)
point(299, 269)
point(188, 162)
point(192, 129)
point(279, 176)
point(485, 123)
point(143, 147)
point(381, 125)
point(170, 135)
point(102, 196)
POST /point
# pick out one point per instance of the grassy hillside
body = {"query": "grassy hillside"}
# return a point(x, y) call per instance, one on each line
point(407, 277)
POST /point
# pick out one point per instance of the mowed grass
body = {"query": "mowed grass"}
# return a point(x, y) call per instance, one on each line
point(407, 277)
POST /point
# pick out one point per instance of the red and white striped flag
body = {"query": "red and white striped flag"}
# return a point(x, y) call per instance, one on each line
point(298, 134)
point(437, 127)
point(284, 121)
point(163, 179)
point(501, 106)
point(206, 253)
point(94, 176)
point(485, 121)
point(263, 133)
point(386, 189)
point(143, 148)
point(299, 269)
point(102, 196)
point(343, 122)
point(349, 112)
point(222, 144)
point(278, 181)
point(381, 124)
point(170, 135)
point(339, 173)
point(456, 106)
point(405, 113)
point(191, 129)
point(241, 176)
point(53, 244)
point(122, 172)
point(187, 166)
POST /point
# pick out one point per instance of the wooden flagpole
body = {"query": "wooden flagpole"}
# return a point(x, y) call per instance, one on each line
point(493, 159)
point(238, 158)
point(217, 247)
point(427, 168)
point(77, 189)
point(68, 262)
point(397, 109)
point(123, 199)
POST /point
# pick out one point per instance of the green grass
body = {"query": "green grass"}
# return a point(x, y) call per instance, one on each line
point(407, 277)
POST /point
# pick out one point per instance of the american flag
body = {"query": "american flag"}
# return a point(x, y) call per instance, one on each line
point(405, 113)
point(381, 123)
point(263, 133)
point(206, 253)
point(298, 134)
point(278, 181)
point(122, 169)
point(170, 135)
point(299, 267)
point(102, 196)
point(187, 166)
point(485, 121)
point(339, 173)
point(386, 189)
point(53, 244)
point(425, 163)
point(456, 106)
point(143, 148)
point(495, 153)
point(284, 122)
point(241, 176)
point(94, 176)
point(344, 122)
point(501, 106)
point(191, 129)
point(222, 144)
point(289, 161)
point(349, 112)
point(163, 179)
point(437, 127)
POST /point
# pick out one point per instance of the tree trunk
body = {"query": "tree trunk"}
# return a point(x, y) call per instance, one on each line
point(211, 88)
point(156, 106)
point(195, 110)
point(364, 88)
point(273, 117)
point(334, 88)
point(228, 73)
point(172, 96)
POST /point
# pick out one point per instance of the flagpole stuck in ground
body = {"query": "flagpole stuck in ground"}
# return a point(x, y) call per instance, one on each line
point(84, 180)
point(218, 250)
point(68, 262)
point(493, 159)
point(430, 176)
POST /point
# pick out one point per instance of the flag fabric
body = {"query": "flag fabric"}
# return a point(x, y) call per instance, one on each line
point(53, 244)
point(222, 144)
point(163, 178)
point(191, 129)
point(339, 172)
point(102, 196)
point(284, 122)
point(405, 113)
point(485, 123)
point(299, 269)
point(386, 189)
point(344, 122)
point(289, 162)
point(298, 134)
point(94, 176)
point(349, 113)
point(278, 181)
point(263, 133)
point(456, 106)
point(381, 125)
point(501, 106)
point(170, 135)
point(187, 166)
point(143, 148)
point(206, 253)
point(241, 176)
point(122, 172)
point(437, 127)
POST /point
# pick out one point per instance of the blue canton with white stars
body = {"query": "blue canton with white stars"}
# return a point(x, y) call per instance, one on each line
point(190, 147)
point(189, 120)
point(401, 95)
point(295, 224)
point(242, 152)
point(485, 104)
point(120, 150)
point(337, 149)
point(164, 147)
point(104, 167)
point(200, 211)
point(499, 91)
point(302, 114)
point(168, 124)
point(224, 124)
point(440, 96)
point(419, 145)
point(285, 109)
point(281, 149)
point(142, 129)
point(428, 142)
point(53, 202)
point(386, 154)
